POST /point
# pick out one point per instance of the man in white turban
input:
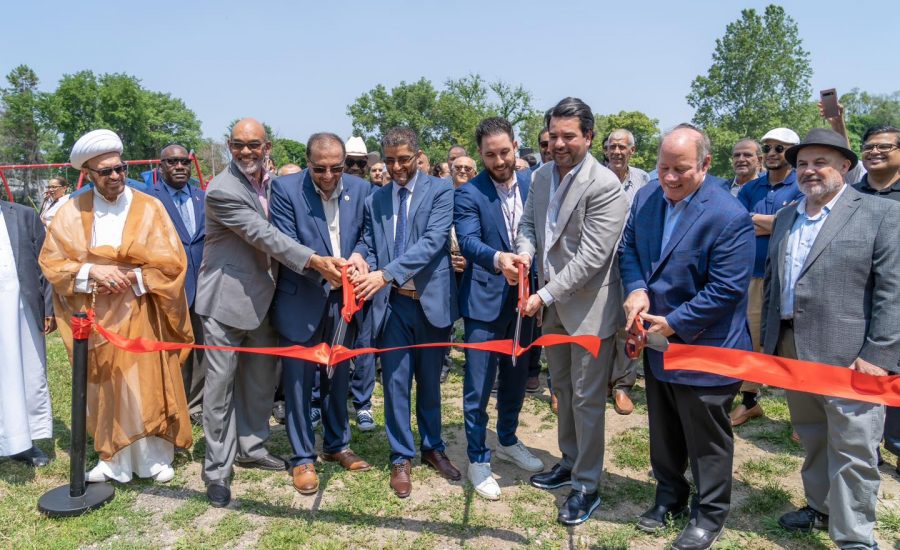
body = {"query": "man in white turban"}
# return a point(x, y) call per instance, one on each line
point(117, 248)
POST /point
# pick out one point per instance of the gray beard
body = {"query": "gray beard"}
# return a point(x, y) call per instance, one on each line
point(251, 176)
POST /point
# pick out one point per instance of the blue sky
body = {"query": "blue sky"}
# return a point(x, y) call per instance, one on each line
point(297, 65)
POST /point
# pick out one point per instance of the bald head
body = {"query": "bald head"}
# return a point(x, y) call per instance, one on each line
point(289, 169)
point(249, 127)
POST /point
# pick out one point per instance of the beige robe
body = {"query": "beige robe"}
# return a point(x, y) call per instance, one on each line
point(130, 395)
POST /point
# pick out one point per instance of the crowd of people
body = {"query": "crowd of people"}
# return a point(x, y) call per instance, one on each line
point(793, 256)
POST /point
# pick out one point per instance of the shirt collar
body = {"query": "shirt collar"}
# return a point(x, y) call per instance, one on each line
point(512, 183)
point(574, 171)
point(409, 186)
point(801, 207)
point(334, 194)
point(685, 201)
point(172, 190)
point(867, 188)
point(124, 196)
point(791, 178)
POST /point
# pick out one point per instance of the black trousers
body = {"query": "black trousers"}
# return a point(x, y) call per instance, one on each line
point(690, 424)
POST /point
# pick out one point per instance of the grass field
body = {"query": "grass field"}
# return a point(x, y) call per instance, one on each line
point(358, 510)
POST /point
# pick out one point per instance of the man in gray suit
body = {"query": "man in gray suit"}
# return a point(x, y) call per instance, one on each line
point(234, 291)
point(831, 292)
point(572, 221)
point(26, 314)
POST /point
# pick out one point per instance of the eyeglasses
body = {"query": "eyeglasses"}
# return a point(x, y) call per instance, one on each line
point(337, 169)
point(464, 169)
point(106, 172)
point(400, 160)
point(361, 163)
point(544, 144)
point(880, 147)
point(778, 148)
point(177, 161)
point(239, 145)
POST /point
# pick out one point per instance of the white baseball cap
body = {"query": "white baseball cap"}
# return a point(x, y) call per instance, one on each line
point(784, 135)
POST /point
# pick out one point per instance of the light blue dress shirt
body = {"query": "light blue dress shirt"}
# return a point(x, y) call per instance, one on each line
point(800, 241)
point(182, 199)
point(673, 214)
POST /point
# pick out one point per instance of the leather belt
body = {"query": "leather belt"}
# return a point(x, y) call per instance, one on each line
point(406, 292)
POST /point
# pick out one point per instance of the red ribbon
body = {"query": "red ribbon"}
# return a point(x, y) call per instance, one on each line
point(81, 326)
point(351, 304)
point(524, 289)
point(790, 374)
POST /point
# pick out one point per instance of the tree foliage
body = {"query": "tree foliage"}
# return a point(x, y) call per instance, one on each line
point(644, 128)
point(759, 79)
point(23, 132)
point(288, 151)
point(863, 110)
point(441, 118)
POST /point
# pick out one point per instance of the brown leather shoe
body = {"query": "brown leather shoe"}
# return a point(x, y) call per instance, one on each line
point(439, 461)
point(622, 402)
point(305, 479)
point(400, 482)
point(742, 414)
point(348, 460)
point(554, 404)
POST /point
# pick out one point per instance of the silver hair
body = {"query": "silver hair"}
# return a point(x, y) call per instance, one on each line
point(618, 133)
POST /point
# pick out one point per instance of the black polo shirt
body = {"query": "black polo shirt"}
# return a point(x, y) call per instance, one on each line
point(892, 192)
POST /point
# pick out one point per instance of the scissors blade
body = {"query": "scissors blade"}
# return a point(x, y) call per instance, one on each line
point(339, 333)
point(517, 336)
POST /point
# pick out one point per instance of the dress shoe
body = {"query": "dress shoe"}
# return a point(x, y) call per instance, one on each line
point(33, 457)
point(348, 460)
point(218, 493)
point(533, 384)
point(269, 462)
point(305, 479)
point(554, 479)
point(439, 461)
point(622, 402)
point(805, 519)
point(400, 482)
point(578, 507)
point(654, 519)
point(742, 414)
point(695, 538)
point(479, 473)
point(554, 404)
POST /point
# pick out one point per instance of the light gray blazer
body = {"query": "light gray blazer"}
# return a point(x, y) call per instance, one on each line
point(582, 250)
point(26, 235)
point(847, 299)
point(237, 276)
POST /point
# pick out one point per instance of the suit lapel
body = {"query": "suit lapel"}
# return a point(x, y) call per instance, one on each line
point(831, 227)
point(572, 195)
point(163, 195)
point(423, 187)
point(655, 212)
point(248, 188)
point(782, 232)
point(386, 208)
point(199, 219)
point(691, 213)
point(496, 209)
point(317, 212)
point(12, 228)
point(345, 207)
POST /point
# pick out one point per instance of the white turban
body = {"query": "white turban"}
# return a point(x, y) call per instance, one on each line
point(93, 144)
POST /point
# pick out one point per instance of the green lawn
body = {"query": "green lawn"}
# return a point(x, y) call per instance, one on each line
point(358, 510)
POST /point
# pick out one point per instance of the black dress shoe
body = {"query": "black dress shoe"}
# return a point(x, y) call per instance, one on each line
point(554, 479)
point(33, 457)
point(654, 519)
point(805, 519)
point(269, 462)
point(218, 493)
point(695, 538)
point(578, 507)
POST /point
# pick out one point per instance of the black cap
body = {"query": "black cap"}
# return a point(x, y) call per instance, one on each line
point(824, 138)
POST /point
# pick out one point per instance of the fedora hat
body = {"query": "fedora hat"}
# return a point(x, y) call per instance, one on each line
point(822, 137)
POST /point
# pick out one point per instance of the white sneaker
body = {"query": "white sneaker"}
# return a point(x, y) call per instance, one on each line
point(485, 485)
point(94, 475)
point(519, 455)
point(165, 475)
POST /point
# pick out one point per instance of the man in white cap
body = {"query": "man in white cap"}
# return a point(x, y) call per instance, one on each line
point(357, 159)
point(762, 198)
point(116, 251)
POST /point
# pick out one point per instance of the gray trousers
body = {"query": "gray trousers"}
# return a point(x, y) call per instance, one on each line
point(840, 473)
point(238, 396)
point(193, 371)
point(579, 383)
point(624, 369)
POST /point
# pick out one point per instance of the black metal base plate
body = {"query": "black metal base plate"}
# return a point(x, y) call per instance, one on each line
point(57, 503)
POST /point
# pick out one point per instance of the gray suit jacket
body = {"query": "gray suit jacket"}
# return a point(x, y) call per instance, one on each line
point(26, 235)
point(582, 251)
point(846, 299)
point(237, 276)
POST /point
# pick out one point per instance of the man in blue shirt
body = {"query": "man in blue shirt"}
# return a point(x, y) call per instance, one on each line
point(763, 197)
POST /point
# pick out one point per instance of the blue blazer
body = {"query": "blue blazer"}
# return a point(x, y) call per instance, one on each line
point(481, 232)
point(699, 281)
point(427, 259)
point(193, 244)
point(296, 210)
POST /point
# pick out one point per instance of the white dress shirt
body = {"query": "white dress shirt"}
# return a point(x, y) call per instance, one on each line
point(512, 208)
point(395, 207)
point(332, 209)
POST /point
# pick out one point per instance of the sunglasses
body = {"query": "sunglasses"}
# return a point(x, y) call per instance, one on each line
point(177, 161)
point(106, 172)
point(464, 169)
point(778, 148)
point(544, 144)
point(360, 163)
point(880, 147)
point(239, 145)
point(322, 169)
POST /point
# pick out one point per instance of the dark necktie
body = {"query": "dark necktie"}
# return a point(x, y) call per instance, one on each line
point(400, 234)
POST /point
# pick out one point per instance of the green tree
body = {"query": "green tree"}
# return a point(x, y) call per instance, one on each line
point(288, 151)
point(23, 132)
point(759, 79)
point(863, 110)
point(644, 128)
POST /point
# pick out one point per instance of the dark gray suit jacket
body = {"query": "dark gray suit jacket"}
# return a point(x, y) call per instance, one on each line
point(846, 298)
point(26, 234)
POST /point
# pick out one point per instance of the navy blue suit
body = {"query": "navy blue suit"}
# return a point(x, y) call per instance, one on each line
point(405, 320)
point(305, 309)
point(488, 305)
point(193, 371)
point(699, 282)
